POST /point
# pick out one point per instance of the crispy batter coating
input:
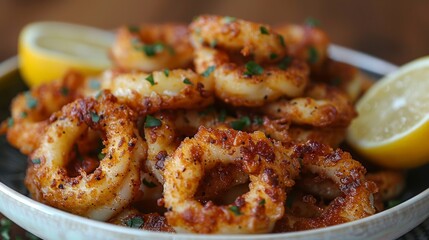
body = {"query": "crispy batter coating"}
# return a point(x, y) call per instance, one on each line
point(356, 199)
point(131, 217)
point(270, 168)
point(113, 184)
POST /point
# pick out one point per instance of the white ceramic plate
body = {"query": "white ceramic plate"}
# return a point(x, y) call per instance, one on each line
point(50, 223)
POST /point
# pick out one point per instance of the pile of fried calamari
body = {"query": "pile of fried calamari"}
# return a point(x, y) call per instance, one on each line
point(222, 126)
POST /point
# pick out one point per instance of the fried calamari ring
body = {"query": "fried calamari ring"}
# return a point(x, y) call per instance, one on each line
point(356, 199)
point(245, 37)
point(305, 42)
point(270, 168)
point(152, 47)
point(236, 86)
point(321, 106)
point(149, 93)
point(113, 184)
point(31, 110)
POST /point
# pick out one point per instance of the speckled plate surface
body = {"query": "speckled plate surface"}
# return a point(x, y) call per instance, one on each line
point(50, 223)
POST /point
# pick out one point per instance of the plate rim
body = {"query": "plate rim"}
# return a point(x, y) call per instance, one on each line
point(336, 52)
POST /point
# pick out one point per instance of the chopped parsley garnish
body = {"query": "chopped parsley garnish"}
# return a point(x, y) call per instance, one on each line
point(148, 184)
point(10, 122)
point(253, 68)
point(36, 161)
point(187, 81)
point(152, 121)
point(235, 210)
point(284, 63)
point(24, 114)
point(94, 84)
point(312, 22)
point(213, 43)
point(258, 120)
point(336, 81)
point(133, 29)
point(262, 202)
point(150, 79)
point(313, 55)
point(152, 49)
point(135, 222)
point(289, 200)
point(273, 56)
point(241, 123)
point(264, 30)
point(206, 111)
point(99, 94)
point(166, 72)
point(94, 117)
point(5, 227)
point(31, 101)
point(229, 19)
point(208, 71)
point(282, 41)
point(64, 91)
point(222, 115)
point(101, 156)
point(393, 203)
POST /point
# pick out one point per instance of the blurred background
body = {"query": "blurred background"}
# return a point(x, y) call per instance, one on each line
point(395, 30)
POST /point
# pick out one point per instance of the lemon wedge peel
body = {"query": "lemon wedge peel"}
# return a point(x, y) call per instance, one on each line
point(48, 49)
point(405, 149)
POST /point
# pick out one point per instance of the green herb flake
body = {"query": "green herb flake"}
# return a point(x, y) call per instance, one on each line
point(10, 122)
point(336, 81)
point(241, 123)
point(152, 49)
point(31, 101)
point(252, 68)
point(289, 200)
point(273, 56)
point(148, 184)
point(150, 79)
point(235, 210)
point(31, 236)
point(206, 111)
point(393, 203)
point(64, 91)
point(166, 72)
point(222, 115)
point(313, 55)
point(5, 223)
point(262, 202)
point(135, 222)
point(152, 121)
point(36, 161)
point(94, 117)
point(187, 81)
point(282, 41)
point(94, 84)
point(229, 19)
point(312, 22)
point(213, 43)
point(101, 156)
point(264, 30)
point(24, 114)
point(99, 94)
point(208, 71)
point(133, 29)
point(4, 234)
point(284, 63)
point(258, 120)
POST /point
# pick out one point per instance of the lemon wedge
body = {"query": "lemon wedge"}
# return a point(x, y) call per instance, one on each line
point(392, 128)
point(48, 49)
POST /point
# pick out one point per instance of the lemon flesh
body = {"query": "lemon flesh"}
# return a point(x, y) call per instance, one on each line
point(392, 127)
point(49, 49)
